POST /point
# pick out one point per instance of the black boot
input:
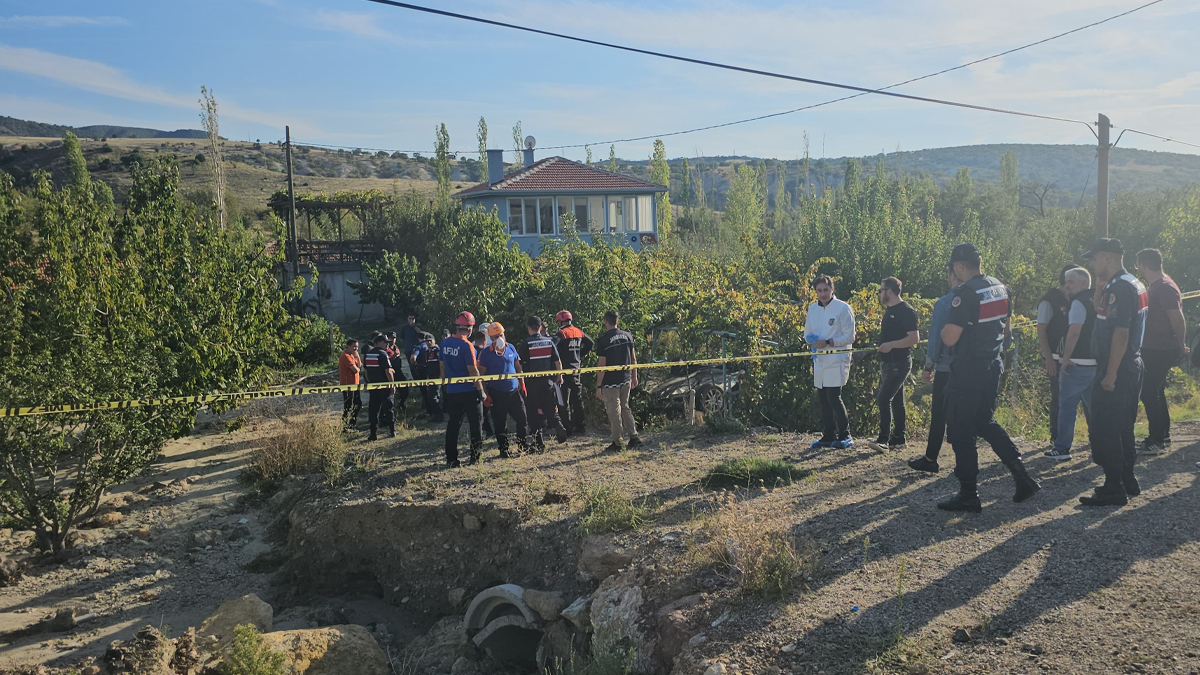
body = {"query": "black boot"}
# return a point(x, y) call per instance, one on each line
point(1132, 488)
point(560, 433)
point(392, 431)
point(539, 444)
point(967, 499)
point(925, 464)
point(522, 446)
point(1112, 493)
point(371, 436)
point(503, 443)
point(1026, 485)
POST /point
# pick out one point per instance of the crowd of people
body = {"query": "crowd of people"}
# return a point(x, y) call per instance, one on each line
point(536, 406)
point(1107, 341)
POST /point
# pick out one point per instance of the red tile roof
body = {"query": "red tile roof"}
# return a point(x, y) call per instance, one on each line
point(559, 174)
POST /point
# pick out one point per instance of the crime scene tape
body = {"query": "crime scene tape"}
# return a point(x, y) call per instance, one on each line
point(1033, 322)
point(282, 392)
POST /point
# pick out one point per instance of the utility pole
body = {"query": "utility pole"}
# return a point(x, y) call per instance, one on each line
point(292, 253)
point(1102, 128)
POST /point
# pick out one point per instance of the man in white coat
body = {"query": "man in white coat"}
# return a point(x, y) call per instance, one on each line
point(830, 325)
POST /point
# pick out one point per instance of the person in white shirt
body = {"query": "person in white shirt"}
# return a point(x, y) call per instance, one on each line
point(830, 325)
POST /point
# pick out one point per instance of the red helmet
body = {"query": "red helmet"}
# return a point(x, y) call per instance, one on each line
point(465, 319)
point(562, 316)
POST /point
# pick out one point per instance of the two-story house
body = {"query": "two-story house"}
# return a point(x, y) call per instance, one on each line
point(534, 201)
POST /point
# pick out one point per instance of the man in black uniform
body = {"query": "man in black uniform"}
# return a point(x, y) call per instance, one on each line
point(976, 328)
point(1117, 346)
point(379, 369)
point(538, 354)
point(572, 344)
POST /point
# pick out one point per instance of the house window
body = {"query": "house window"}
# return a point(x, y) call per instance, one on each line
point(581, 214)
point(515, 221)
point(564, 207)
point(531, 213)
point(595, 215)
point(631, 214)
point(645, 213)
point(616, 215)
point(546, 211)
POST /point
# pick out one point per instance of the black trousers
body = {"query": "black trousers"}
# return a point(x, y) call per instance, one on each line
point(890, 399)
point(835, 424)
point(970, 415)
point(937, 415)
point(506, 404)
point(401, 397)
point(572, 407)
point(351, 404)
point(459, 406)
point(542, 405)
point(1158, 364)
point(1054, 404)
point(380, 409)
point(1113, 415)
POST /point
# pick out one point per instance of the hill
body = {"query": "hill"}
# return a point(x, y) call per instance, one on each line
point(11, 126)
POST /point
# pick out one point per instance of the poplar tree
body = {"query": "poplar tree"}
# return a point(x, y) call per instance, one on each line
point(441, 164)
point(612, 158)
point(588, 161)
point(685, 190)
point(481, 136)
point(76, 164)
point(660, 172)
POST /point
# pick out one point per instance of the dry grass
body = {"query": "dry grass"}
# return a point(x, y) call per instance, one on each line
point(752, 544)
point(315, 445)
point(606, 508)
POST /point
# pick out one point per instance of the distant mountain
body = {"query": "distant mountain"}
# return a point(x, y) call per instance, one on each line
point(11, 126)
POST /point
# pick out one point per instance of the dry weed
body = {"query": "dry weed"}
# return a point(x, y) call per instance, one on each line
point(311, 446)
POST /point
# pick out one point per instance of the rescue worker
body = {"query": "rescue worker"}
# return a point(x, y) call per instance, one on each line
point(1117, 346)
point(572, 345)
point(828, 325)
point(976, 328)
point(480, 341)
point(537, 355)
point(463, 399)
point(937, 371)
point(424, 362)
point(397, 358)
point(1051, 331)
point(380, 412)
point(1076, 367)
point(504, 396)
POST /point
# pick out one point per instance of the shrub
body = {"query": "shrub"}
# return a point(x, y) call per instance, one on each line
point(251, 656)
point(315, 340)
point(747, 472)
point(606, 508)
point(724, 425)
point(313, 446)
point(751, 545)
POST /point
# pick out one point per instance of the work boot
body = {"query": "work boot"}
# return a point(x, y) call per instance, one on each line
point(560, 433)
point(522, 446)
point(1106, 495)
point(371, 436)
point(615, 446)
point(967, 499)
point(1026, 485)
point(1130, 482)
point(635, 442)
point(539, 444)
point(925, 464)
point(392, 431)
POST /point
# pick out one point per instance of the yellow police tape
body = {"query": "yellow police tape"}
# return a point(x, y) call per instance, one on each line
point(330, 389)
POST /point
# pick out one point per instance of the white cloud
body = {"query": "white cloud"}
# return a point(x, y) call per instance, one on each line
point(60, 21)
point(354, 23)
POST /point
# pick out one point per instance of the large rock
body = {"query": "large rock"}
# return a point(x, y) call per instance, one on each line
point(10, 571)
point(438, 649)
point(557, 647)
point(601, 558)
point(148, 653)
point(617, 615)
point(675, 631)
point(547, 604)
point(248, 609)
point(333, 650)
point(580, 613)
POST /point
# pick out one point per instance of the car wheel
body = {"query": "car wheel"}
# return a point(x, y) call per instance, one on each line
point(710, 400)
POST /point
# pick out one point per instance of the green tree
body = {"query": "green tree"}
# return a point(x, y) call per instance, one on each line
point(393, 281)
point(441, 164)
point(76, 164)
point(660, 172)
point(612, 158)
point(472, 267)
point(518, 142)
point(685, 185)
point(481, 136)
point(745, 203)
point(588, 149)
point(156, 300)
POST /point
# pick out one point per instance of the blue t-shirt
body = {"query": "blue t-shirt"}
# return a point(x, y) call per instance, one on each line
point(499, 364)
point(457, 354)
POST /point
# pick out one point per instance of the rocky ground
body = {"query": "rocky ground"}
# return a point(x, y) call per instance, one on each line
point(887, 584)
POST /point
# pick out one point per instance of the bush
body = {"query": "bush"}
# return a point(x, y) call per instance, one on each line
point(313, 342)
point(606, 508)
point(751, 545)
point(724, 425)
point(747, 472)
point(251, 656)
point(313, 446)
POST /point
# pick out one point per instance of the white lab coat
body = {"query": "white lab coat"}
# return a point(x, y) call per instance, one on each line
point(834, 321)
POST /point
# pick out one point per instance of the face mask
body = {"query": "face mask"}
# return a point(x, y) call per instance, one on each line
point(498, 344)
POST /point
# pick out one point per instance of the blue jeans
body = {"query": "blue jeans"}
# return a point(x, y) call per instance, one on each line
point(1074, 385)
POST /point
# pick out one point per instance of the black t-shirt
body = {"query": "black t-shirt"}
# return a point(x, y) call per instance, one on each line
point(898, 321)
point(616, 346)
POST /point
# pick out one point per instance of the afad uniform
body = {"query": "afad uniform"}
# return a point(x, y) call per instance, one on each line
point(981, 307)
point(538, 354)
point(1123, 304)
point(462, 398)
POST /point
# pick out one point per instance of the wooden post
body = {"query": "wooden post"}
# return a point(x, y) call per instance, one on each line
point(1102, 148)
point(293, 252)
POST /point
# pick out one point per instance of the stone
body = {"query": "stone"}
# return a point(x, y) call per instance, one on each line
point(471, 522)
point(716, 669)
point(579, 613)
point(248, 609)
point(10, 571)
point(601, 558)
point(618, 621)
point(962, 635)
point(918, 669)
point(188, 659)
point(674, 630)
point(547, 604)
point(62, 621)
point(205, 538)
point(439, 648)
point(463, 666)
point(110, 519)
point(142, 533)
point(456, 596)
point(556, 646)
point(148, 653)
point(333, 650)
point(239, 532)
point(90, 670)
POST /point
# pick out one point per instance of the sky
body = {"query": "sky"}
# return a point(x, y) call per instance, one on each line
point(359, 74)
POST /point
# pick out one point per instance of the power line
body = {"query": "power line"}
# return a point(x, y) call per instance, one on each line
point(1161, 138)
point(726, 66)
